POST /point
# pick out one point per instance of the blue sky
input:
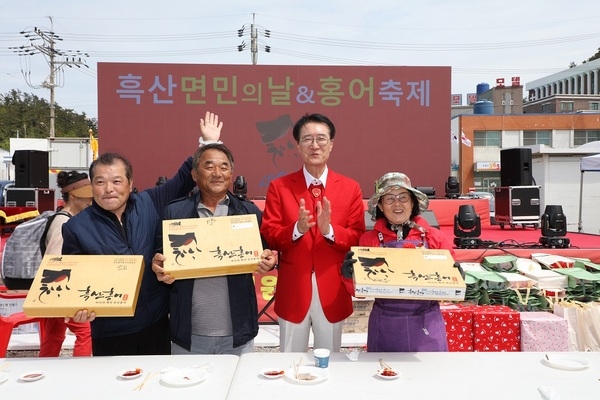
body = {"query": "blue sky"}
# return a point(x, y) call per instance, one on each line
point(480, 40)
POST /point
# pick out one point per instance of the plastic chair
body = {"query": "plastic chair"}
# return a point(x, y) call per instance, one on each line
point(12, 321)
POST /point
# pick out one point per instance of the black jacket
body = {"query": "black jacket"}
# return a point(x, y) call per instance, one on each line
point(242, 295)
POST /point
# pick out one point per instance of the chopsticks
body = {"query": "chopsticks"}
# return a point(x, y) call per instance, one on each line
point(297, 368)
point(4, 366)
point(146, 379)
point(383, 364)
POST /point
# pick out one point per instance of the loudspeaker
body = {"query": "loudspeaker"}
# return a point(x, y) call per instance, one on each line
point(31, 168)
point(515, 167)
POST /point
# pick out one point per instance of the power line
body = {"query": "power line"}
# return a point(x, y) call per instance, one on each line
point(255, 42)
point(43, 42)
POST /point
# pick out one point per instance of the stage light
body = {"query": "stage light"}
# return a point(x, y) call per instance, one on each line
point(452, 188)
point(467, 227)
point(428, 191)
point(240, 187)
point(554, 228)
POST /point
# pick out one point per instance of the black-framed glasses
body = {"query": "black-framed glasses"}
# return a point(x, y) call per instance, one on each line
point(390, 199)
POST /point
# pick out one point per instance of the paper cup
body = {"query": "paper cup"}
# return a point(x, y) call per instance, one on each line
point(321, 358)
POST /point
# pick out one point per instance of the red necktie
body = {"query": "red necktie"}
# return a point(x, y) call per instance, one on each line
point(316, 193)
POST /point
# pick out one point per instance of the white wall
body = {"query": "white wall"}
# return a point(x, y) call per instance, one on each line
point(559, 177)
point(5, 171)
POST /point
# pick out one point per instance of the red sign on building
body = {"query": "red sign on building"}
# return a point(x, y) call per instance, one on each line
point(456, 99)
point(471, 98)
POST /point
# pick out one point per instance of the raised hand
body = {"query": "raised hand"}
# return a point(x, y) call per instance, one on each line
point(210, 127)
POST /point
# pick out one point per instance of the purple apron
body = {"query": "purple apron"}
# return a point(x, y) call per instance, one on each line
point(406, 325)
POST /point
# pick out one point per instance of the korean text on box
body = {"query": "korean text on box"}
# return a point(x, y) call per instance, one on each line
point(410, 273)
point(65, 284)
point(215, 246)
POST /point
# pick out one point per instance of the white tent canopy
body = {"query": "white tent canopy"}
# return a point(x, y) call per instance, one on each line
point(588, 164)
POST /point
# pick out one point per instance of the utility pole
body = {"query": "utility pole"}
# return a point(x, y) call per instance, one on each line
point(47, 47)
point(255, 44)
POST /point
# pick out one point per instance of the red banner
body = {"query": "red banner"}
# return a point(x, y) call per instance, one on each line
point(386, 118)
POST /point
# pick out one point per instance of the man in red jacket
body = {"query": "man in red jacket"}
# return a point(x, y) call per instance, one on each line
point(312, 217)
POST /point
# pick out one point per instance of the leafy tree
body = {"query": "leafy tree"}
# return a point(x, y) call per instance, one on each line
point(595, 56)
point(26, 115)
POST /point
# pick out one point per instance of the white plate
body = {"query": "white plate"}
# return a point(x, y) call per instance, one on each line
point(320, 375)
point(32, 376)
point(380, 374)
point(569, 363)
point(126, 373)
point(3, 377)
point(269, 373)
point(183, 377)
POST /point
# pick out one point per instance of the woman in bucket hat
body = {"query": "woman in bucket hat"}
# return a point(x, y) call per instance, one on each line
point(397, 325)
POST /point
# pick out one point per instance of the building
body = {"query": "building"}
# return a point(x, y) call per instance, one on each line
point(572, 90)
point(558, 141)
point(559, 121)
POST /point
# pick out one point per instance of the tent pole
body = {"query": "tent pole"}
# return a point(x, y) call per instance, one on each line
point(580, 224)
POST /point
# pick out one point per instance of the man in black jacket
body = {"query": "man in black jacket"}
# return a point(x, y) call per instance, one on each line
point(120, 221)
point(214, 315)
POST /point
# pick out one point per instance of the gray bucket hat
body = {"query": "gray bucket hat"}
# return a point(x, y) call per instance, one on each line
point(392, 181)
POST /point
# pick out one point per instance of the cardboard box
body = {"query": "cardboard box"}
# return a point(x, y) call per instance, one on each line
point(547, 279)
point(552, 261)
point(518, 281)
point(544, 331)
point(459, 327)
point(496, 328)
point(356, 324)
point(424, 274)
point(361, 308)
point(216, 246)
point(65, 284)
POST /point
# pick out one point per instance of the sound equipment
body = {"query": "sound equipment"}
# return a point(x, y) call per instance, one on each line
point(515, 167)
point(31, 168)
point(517, 205)
point(428, 191)
point(42, 199)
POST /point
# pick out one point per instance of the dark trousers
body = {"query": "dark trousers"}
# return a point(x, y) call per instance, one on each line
point(153, 340)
